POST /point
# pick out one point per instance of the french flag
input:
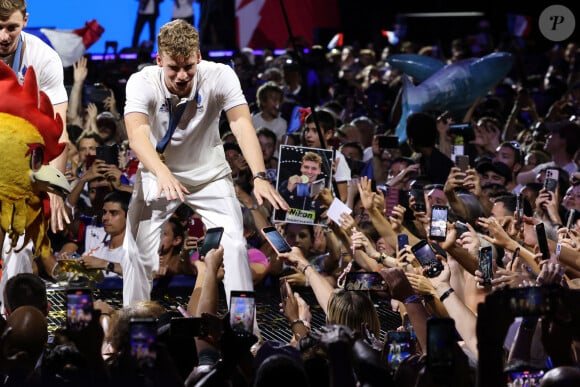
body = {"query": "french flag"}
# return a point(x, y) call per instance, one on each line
point(70, 44)
point(336, 41)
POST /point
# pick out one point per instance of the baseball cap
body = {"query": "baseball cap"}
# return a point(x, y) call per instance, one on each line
point(496, 166)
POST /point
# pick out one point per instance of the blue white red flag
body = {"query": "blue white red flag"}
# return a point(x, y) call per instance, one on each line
point(70, 44)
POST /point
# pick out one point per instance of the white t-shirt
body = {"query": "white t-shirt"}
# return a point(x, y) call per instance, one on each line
point(278, 125)
point(571, 167)
point(343, 172)
point(96, 245)
point(195, 154)
point(47, 66)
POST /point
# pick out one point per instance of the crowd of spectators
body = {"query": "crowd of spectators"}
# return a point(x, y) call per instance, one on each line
point(518, 327)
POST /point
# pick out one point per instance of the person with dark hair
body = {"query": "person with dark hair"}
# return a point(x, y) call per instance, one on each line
point(25, 289)
point(23, 342)
point(422, 137)
point(104, 244)
point(511, 154)
point(504, 205)
point(269, 145)
point(353, 152)
point(562, 142)
point(171, 259)
point(327, 122)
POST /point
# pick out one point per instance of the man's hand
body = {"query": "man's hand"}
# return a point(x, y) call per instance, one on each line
point(169, 184)
point(58, 213)
point(264, 190)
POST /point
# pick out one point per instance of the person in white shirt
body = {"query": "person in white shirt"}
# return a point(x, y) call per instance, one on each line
point(562, 143)
point(104, 244)
point(270, 97)
point(172, 113)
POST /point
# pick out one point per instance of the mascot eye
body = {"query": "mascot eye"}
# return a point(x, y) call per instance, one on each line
point(36, 158)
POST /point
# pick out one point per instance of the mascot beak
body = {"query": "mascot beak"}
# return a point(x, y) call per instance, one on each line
point(50, 179)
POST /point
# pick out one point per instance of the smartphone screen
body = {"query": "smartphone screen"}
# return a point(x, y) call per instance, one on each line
point(195, 227)
point(525, 378)
point(212, 240)
point(427, 258)
point(371, 281)
point(441, 340)
point(419, 197)
point(276, 240)
point(542, 241)
point(438, 229)
point(399, 348)
point(242, 309)
point(462, 162)
point(402, 241)
point(551, 180)
point(79, 308)
point(485, 264)
point(142, 338)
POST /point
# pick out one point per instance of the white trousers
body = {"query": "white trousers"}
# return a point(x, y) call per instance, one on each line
point(218, 206)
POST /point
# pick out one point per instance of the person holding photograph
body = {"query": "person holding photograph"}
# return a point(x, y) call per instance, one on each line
point(299, 191)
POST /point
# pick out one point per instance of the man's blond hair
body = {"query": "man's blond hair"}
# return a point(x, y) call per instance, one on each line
point(7, 8)
point(178, 38)
point(311, 156)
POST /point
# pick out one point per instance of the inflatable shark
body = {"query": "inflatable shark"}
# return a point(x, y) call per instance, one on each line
point(453, 87)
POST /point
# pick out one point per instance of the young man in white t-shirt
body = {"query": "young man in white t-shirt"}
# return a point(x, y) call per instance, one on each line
point(104, 244)
point(270, 97)
point(187, 165)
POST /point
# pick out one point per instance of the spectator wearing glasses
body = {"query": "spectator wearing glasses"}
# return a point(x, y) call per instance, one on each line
point(495, 173)
point(510, 153)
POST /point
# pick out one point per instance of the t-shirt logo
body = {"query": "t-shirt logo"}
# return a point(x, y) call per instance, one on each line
point(198, 103)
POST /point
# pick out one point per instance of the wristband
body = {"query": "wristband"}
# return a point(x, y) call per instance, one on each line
point(382, 257)
point(446, 294)
point(299, 321)
point(413, 298)
point(304, 268)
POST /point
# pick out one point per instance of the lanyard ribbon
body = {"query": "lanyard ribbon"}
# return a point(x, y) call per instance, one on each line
point(17, 56)
point(174, 117)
